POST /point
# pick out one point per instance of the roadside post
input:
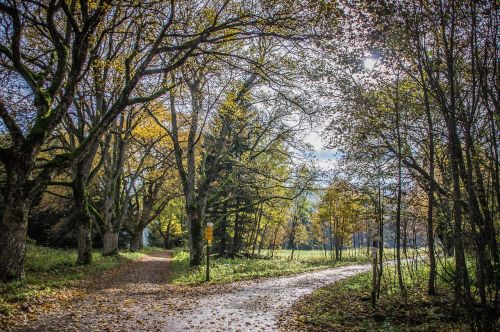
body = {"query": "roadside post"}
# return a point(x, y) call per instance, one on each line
point(209, 236)
point(375, 245)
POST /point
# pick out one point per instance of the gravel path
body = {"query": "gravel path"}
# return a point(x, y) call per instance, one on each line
point(137, 298)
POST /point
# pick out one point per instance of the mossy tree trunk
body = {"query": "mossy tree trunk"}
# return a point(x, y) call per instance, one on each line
point(82, 215)
point(110, 242)
point(195, 234)
point(136, 242)
point(17, 193)
point(84, 221)
point(14, 226)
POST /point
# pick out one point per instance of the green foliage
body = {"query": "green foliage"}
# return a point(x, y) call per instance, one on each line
point(340, 213)
point(169, 222)
point(228, 270)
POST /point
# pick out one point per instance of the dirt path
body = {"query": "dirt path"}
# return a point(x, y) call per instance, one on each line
point(137, 298)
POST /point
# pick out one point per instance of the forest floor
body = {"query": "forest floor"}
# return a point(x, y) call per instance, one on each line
point(137, 297)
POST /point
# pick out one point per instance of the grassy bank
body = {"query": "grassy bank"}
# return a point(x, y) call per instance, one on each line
point(50, 270)
point(345, 306)
point(229, 270)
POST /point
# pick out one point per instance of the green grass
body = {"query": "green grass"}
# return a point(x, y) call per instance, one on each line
point(229, 270)
point(389, 253)
point(49, 270)
point(346, 306)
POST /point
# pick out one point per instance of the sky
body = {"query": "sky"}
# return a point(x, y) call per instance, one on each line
point(324, 159)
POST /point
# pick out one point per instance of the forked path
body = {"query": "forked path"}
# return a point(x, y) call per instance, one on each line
point(137, 298)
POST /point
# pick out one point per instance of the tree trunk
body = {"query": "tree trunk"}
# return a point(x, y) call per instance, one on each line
point(330, 231)
point(14, 226)
point(257, 231)
point(431, 288)
point(84, 240)
point(461, 275)
point(262, 237)
point(336, 239)
point(82, 215)
point(223, 231)
point(444, 232)
point(168, 242)
point(195, 234)
point(484, 268)
point(292, 236)
point(341, 244)
point(83, 218)
point(14, 219)
point(136, 240)
point(274, 241)
point(368, 231)
point(399, 193)
point(110, 243)
point(430, 195)
point(336, 226)
point(381, 242)
point(237, 230)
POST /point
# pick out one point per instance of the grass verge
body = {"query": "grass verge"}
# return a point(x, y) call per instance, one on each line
point(224, 270)
point(49, 271)
point(346, 306)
